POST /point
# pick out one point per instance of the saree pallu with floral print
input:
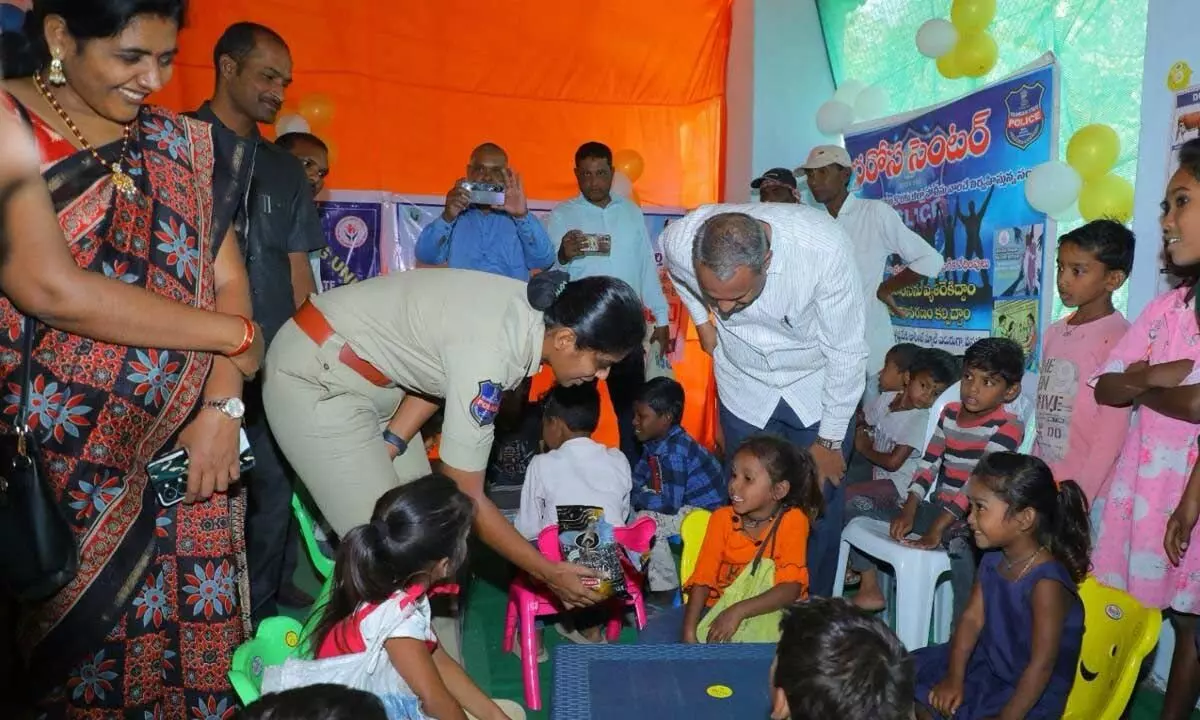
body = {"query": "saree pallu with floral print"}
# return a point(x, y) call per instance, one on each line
point(147, 627)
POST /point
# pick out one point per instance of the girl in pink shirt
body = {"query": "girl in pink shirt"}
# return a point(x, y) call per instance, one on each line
point(416, 540)
point(1155, 369)
point(1078, 438)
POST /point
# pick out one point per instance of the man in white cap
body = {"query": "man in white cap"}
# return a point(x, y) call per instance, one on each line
point(876, 233)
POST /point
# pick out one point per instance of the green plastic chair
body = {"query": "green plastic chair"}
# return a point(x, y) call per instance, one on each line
point(322, 563)
point(277, 639)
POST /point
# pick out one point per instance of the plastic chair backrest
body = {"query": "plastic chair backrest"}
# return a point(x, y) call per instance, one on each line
point(320, 561)
point(1119, 634)
point(692, 531)
point(634, 537)
point(276, 640)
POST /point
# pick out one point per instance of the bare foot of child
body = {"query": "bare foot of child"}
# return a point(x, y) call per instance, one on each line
point(869, 596)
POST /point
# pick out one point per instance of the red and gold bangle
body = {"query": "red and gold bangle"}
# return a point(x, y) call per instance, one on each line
point(247, 338)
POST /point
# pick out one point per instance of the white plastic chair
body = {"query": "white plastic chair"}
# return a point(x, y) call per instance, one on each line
point(922, 580)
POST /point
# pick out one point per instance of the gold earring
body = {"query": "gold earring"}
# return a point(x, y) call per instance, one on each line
point(56, 77)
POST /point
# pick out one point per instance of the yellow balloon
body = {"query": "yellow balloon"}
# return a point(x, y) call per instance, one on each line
point(1093, 150)
point(317, 109)
point(1107, 197)
point(629, 162)
point(972, 16)
point(977, 54)
point(949, 66)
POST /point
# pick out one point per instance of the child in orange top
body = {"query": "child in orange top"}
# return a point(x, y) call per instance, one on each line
point(773, 483)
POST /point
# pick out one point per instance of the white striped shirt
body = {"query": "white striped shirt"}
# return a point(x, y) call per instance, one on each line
point(802, 340)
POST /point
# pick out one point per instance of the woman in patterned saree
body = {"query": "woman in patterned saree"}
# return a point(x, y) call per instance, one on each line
point(125, 284)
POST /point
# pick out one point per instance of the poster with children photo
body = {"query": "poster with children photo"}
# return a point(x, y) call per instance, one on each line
point(1017, 321)
point(1018, 260)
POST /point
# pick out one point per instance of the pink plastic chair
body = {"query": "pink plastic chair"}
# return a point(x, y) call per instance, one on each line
point(527, 600)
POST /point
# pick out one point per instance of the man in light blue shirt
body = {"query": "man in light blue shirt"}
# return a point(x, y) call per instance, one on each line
point(503, 240)
point(629, 257)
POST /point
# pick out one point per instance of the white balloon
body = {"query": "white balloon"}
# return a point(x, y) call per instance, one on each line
point(1069, 215)
point(848, 91)
point(936, 37)
point(834, 117)
point(291, 123)
point(622, 185)
point(1053, 187)
point(871, 103)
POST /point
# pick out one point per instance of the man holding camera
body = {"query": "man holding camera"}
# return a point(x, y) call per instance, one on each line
point(487, 228)
point(598, 233)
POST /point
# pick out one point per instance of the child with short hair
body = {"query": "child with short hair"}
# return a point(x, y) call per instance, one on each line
point(892, 445)
point(674, 476)
point(316, 702)
point(1016, 648)
point(577, 470)
point(1077, 437)
point(969, 429)
point(753, 562)
point(891, 377)
point(835, 661)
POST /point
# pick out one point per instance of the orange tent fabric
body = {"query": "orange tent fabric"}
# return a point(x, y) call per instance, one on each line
point(415, 85)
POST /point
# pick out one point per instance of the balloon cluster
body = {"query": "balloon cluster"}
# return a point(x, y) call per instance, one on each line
point(854, 101)
point(628, 166)
point(1085, 178)
point(314, 112)
point(961, 45)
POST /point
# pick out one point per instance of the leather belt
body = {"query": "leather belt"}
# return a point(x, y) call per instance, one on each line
point(309, 319)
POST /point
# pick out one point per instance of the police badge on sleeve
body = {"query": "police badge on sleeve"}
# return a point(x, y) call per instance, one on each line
point(486, 403)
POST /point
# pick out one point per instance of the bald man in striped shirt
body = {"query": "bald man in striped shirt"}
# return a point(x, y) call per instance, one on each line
point(777, 302)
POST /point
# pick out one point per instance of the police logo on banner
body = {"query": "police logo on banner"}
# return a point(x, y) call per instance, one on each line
point(1025, 120)
point(351, 232)
point(487, 403)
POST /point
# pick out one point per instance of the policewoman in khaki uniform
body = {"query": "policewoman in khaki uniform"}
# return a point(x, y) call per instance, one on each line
point(336, 375)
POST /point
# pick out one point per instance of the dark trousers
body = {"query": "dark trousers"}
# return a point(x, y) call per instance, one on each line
point(826, 536)
point(625, 380)
point(271, 529)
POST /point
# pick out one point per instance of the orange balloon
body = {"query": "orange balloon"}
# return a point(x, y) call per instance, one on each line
point(317, 109)
point(629, 162)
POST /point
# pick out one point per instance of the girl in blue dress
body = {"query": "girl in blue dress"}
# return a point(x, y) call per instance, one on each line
point(1014, 652)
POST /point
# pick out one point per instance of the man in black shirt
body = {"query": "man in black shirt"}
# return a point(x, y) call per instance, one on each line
point(277, 228)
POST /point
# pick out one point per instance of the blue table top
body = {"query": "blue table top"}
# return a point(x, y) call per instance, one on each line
point(663, 682)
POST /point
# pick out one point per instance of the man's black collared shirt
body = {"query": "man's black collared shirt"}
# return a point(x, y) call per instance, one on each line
point(277, 217)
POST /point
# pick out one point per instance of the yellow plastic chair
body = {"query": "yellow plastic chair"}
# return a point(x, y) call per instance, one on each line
point(1119, 633)
point(691, 531)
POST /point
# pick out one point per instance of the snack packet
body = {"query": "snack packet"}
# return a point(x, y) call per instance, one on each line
point(586, 539)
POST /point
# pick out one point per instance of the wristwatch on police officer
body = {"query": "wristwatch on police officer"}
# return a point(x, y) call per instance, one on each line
point(232, 407)
point(395, 441)
point(835, 445)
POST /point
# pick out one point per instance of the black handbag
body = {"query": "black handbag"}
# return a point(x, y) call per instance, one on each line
point(40, 553)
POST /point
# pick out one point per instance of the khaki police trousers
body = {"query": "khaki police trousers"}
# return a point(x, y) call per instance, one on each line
point(329, 422)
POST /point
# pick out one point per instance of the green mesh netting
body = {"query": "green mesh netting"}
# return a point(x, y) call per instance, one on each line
point(1099, 44)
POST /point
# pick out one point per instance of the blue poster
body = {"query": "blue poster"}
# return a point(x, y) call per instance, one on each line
point(351, 253)
point(956, 174)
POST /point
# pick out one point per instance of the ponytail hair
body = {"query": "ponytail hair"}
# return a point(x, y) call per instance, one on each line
point(785, 462)
point(413, 527)
point(604, 313)
point(1024, 481)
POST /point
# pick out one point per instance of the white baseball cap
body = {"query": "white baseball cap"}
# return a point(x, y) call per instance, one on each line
point(826, 155)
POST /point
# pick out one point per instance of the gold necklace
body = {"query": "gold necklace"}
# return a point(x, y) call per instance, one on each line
point(1028, 563)
point(122, 181)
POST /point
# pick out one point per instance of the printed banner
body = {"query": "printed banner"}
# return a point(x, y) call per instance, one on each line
point(956, 173)
point(354, 234)
point(414, 212)
point(1185, 124)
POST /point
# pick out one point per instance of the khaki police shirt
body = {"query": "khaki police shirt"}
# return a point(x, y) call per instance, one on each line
point(461, 335)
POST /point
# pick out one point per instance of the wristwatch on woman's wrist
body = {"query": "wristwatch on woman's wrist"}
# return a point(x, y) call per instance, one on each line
point(835, 445)
point(232, 407)
point(395, 441)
